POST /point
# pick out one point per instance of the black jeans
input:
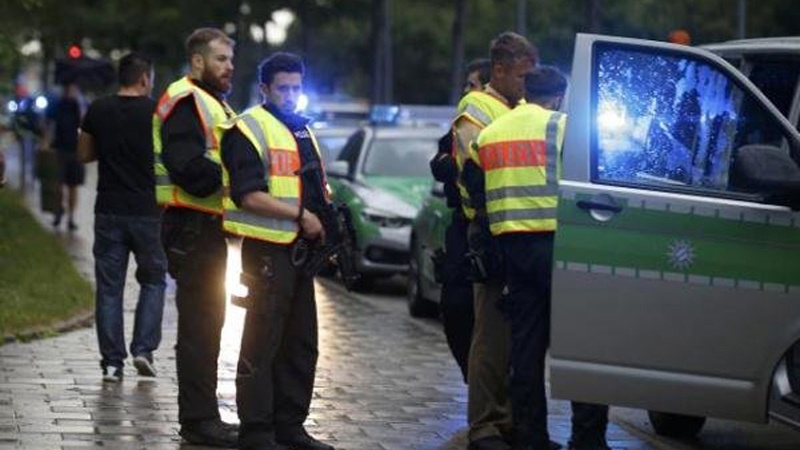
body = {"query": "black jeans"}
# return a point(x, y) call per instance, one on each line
point(197, 257)
point(529, 274)
point(278, 356)
point(458, 312)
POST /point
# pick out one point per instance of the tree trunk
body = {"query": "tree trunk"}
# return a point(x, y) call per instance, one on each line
point(594, 16)
point(459, 26)
point(522, 17)
point(382, 52)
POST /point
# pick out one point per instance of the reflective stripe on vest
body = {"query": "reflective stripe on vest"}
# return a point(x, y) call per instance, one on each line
point(211, 113)
point(279, 153)
point(520, 156)
point(481, 109)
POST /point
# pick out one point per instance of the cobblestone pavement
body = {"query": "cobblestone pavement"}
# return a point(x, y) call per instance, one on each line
point(384, 381)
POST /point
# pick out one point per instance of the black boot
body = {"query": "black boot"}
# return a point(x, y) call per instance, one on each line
point(211, 432)
point(301, 440)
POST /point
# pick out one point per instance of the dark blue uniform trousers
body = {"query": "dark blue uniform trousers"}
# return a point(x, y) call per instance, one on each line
point(529, 272)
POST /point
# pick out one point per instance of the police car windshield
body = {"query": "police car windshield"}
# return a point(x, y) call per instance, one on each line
point(331, 146)
point(399, 157)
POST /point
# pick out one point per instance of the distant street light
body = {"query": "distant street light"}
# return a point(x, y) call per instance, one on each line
point(31, 48)
point(277, 28)
point(257, 33)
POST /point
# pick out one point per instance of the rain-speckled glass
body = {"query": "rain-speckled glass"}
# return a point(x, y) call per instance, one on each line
point(668, 121)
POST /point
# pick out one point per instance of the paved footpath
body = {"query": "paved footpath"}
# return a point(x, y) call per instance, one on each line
point(384, 381)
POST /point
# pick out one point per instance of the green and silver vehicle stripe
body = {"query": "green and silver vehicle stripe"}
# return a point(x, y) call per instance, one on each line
point(681, 238)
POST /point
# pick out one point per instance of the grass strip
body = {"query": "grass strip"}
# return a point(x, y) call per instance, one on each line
point(39, 285)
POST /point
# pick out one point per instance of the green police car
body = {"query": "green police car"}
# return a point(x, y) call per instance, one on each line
point(381, 174)
point(427, 237)
point(677, 258)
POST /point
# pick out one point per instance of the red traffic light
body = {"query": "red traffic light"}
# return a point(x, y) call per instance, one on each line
point(74, 52)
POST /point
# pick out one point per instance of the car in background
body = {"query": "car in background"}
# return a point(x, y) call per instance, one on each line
point(382, 175)
point(332, 137)
point(427, 237)
point(676, 261)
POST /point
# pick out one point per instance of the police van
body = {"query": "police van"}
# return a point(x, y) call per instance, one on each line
point(677, 281)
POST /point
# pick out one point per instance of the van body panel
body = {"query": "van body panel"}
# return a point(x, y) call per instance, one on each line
point(674, 290)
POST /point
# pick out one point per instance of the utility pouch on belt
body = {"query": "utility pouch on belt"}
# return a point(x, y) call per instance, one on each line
point(478, 267)
point(258, 286)
point(438, 259)
point(179, 239)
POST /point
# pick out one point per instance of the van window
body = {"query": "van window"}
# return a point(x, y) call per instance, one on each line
point(777, 79)
point(670, 122)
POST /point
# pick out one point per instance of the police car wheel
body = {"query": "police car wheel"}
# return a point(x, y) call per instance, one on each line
point(793, 368)
point(365, 283)
point(676, 425)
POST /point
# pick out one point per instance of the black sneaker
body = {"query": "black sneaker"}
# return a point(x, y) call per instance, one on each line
point(57, 218)
point(112, 374)
point(144, 365)
point(212, 432)
point(489, 443)
point(301, 440)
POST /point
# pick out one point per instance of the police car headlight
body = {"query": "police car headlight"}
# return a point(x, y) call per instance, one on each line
point(384, 219)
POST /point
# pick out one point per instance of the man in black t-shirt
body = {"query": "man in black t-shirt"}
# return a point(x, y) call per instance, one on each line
point(116, 133)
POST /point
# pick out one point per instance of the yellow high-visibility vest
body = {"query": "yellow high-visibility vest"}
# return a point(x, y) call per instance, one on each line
point(520, 154)
point(278, 150)
point(212, 113)
point(480, 108)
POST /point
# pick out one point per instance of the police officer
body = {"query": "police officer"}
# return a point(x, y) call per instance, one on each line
point(520, 154)
point(188, 184)
point(277, 189)
point(456, 297)
point(488, 409)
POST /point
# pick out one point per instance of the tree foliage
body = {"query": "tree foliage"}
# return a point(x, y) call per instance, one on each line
point(334, 35)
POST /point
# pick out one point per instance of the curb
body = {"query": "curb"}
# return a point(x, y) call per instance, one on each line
point(82, 319)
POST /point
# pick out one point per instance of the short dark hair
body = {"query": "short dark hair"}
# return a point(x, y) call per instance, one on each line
point(544, 83)
point(197, 42)
point(279, 62)
point(131, 68)
point(510, 47)
point(483, 66)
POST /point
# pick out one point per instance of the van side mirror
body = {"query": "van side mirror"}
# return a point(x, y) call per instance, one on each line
point(339, 169)
point(769, 171)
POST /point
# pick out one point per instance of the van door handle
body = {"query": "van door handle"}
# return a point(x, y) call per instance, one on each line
point(590, 205)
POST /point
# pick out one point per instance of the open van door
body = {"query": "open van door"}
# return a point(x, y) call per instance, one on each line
point(677, 281)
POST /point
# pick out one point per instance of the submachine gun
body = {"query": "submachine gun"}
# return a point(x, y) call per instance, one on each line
point(338, 249)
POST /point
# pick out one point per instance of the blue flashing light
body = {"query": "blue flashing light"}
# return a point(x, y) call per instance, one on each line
point(41, 103)
point(12, 106)
point(384, 114)
point(302, 103)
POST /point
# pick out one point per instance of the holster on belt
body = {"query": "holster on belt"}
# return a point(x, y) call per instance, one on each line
point(259, 285)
